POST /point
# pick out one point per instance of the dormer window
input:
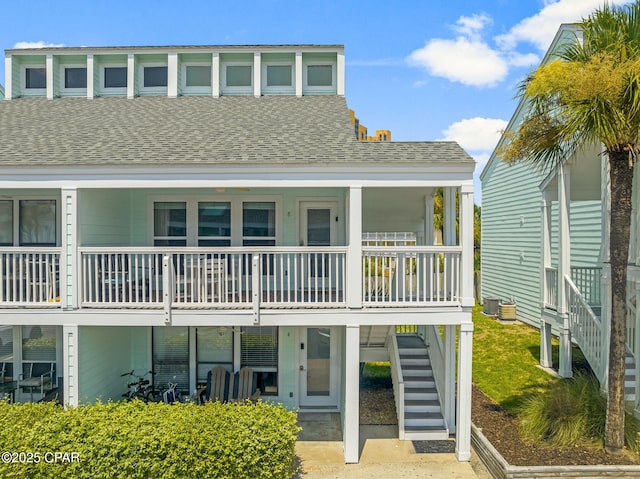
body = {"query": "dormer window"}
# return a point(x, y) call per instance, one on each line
point(155, 77)
point(198, 76)
point(279, 75)
point(115, 77)
point(239, 76)
point(320, 75)
point(75, 77)
point(35, 77)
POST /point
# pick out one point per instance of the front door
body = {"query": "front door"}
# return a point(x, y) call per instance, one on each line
point(319, 367)
point(318, 223)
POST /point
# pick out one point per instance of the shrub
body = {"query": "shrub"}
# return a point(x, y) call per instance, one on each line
point(138, 440)
point(571, 412)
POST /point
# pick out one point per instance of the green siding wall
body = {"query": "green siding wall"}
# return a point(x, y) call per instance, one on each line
point(104, 353)
point(287, 365)
point(104, 217)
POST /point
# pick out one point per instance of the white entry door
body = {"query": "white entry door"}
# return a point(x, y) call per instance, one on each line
point(318, 223)
point(319, 366)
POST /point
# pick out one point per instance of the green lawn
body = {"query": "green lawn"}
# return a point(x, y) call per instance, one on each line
point(506, 359)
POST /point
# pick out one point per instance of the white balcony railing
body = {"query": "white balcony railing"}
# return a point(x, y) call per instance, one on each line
point(30, 277)
point(203, 278)
point(585, 278)
point(411, 275)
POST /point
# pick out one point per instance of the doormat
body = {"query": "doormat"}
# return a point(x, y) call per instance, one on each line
point(434, 447)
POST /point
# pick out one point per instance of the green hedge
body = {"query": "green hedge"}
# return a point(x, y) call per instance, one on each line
point(138, 440)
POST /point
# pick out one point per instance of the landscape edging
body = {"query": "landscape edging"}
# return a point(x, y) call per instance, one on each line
point(499, 468)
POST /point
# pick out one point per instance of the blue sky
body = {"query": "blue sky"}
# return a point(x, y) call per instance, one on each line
point(425, 69)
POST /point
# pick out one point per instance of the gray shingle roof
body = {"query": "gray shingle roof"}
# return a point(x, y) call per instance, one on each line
point(202, 130)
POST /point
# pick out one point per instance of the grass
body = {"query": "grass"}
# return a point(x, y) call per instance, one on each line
point(506, 360)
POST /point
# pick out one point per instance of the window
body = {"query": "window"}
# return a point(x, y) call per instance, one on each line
point(37, 222)
point(319, 75)
point(279, 75)
point(259, 223)
point(6, 353)
point(36, 77)
point(198, 75)
point(155, 77)
point(38, 350)
point(259, 351)
point(6, 223)
point(238, 75)
point(170, 223)
point(170, 346)
point(214, 224)
point(214, 346)
point(115, 77)
point(75, 77)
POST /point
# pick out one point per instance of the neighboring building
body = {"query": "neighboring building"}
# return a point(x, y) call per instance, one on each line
point(178, 208)
point(545, 244)
point(361, 131)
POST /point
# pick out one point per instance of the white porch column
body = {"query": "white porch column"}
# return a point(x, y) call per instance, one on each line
point(546, 360)
point(70, 364)
point(463, 423)
point(449, 393)
point(354, 238)
point(172, 75)
point(49, 73)
point(449, 216)
point(351, 433)
point(8, 78)
point(69, 269)
point(466, 242)
point(564, 269)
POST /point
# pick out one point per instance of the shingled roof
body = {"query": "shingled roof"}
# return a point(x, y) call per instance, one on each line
point(229, 130)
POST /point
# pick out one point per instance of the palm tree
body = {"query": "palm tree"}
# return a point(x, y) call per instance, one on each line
point(591, 95)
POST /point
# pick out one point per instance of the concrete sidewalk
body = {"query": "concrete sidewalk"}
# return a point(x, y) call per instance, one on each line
point(382, 455)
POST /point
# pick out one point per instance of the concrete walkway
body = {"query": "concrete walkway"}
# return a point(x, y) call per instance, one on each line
point(382, 455)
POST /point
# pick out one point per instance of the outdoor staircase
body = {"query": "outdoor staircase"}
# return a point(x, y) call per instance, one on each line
point(423, 418)
point(629, 376)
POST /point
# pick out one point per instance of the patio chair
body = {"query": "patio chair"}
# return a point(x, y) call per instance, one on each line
point(246, 386)
point(33, 378)
point(219, 383)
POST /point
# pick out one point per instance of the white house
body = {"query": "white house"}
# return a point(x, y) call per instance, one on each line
point(545, 244)
point(178, 208)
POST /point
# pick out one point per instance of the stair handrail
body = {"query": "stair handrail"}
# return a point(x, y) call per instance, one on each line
point(397, 379)
point(586, 328)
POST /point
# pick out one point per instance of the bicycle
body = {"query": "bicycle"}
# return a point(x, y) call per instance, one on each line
point(138, 388)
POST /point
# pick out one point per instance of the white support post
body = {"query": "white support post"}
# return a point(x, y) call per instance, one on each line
point(449, 216)
point(546, 360)
point(168, 286)
point(564, 269)
point(90, 76)
point(340, 76)
point(256, 287)
point(546, 246)
point(215, 74)
point(298, 73)
point(449, 393)
point(131, 76)
point(49, 73)
point(257, 70)
point(351, 384)
point(354, 262)
point(70, 364)
point(172, 75)
point(463, 423)
point(466, 242)
point(69, 265)
point(8, 77)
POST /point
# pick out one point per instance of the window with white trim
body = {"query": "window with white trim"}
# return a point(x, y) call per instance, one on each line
point(170, 223)
point(74, 77)
point(214, 223)
point(170, 356)
point(114, 77)
point(197, 76)
point(320, 75)
point(35, 78)
point(259, 351)
point(28, 222)
point(258, 223)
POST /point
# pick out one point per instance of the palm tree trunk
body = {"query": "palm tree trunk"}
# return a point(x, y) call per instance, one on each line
point(621, 178)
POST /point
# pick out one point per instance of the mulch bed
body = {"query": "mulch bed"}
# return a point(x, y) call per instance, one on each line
point(502, 430)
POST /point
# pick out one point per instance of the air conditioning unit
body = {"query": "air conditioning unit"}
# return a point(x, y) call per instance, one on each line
point(491, 306)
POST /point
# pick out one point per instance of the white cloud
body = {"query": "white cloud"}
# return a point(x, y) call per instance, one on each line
point(463, 60)
point(470, 27)
point(540, 28)
point(477, 134)
point(39, 44)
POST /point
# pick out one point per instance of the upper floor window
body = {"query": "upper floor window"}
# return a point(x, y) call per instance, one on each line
point(259, 223)
point(320, 75)
point(279, 75)
point(115, 77)
point(198, 76)
point(239, 76)
point(170, 223)
point(155, 76)
point(29, 222)
point(35, 77)
point(214, 223)
point(75, 77)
